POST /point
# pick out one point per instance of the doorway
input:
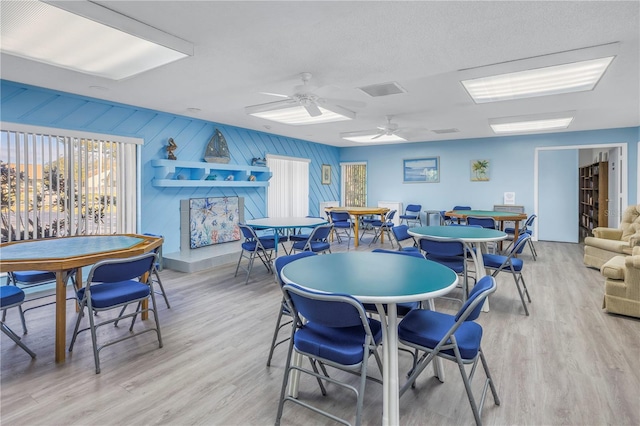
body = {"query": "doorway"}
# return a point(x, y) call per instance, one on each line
point(558, 219)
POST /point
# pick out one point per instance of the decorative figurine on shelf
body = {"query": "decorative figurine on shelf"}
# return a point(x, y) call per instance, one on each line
point(212, 177)
point(252, 178)
point(170, 148)
point(217, 150)
point(258, 161)
point(230, 177)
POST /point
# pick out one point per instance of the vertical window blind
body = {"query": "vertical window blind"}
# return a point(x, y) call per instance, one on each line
point(288, 192)
point(354, 184)
point(56, 184)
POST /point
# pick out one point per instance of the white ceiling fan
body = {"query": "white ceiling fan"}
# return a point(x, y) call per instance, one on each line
point(389, 132)
point(305, 106)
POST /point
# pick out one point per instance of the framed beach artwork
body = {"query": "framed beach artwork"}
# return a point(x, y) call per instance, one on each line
point(480, 170)
point(421, 170)
point(213, 220)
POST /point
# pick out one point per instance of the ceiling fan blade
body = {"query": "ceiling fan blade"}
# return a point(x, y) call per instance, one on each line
point(379, 135)
point(313, 110)
point(371, 132)
point(274, 94)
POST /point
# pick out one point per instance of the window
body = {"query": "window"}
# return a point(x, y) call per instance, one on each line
point(288, 193)
point(58, 183)
point(354, 184)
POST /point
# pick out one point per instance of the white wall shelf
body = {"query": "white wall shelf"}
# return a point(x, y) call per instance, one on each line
point(174, 173)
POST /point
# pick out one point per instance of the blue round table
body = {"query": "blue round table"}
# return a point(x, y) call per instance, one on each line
point(383, 279)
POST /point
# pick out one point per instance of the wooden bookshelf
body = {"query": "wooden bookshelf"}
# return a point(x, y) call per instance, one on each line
point(594, 194)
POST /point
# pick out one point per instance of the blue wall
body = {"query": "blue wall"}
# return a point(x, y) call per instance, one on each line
point(161, 206)
point(511, 169)
point(511, 158)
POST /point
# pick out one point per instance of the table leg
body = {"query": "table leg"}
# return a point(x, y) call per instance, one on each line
point(61, 316)
point(390, 388)
point(356, 230)
point(478, 261)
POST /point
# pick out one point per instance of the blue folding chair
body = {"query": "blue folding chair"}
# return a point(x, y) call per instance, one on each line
point(318, 240)
point(115, 283)
point(13, 297)
point(453, 337)
point(412, 215)
point(383, 226)
point(342, 225)
point(252, 247)
point(510, 263)
point(451, 254)
point(401, 234)
point(337, 333)
point(526, 228)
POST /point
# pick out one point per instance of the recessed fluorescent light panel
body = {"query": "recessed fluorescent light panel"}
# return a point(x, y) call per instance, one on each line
point(297, 115)
point(42, 32)
point(554, 80)
point(533, 125)
point(370, 138)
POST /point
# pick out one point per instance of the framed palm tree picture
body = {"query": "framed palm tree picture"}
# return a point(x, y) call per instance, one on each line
point(480, 170)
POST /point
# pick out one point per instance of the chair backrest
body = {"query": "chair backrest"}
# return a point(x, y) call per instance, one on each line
point(10, 296)
point(413, 208)
point(321, 232)
point(283, 261)
point(338, 216)
point(470, 311)
point(115, 270)
point(401, 232)
point(462, 208)
point(518, 246)
point(248, 232)
point(405, 253)
point(485, 222)
point(389, 216)
point(529, 222)
point(442, 248)
point(328, 309)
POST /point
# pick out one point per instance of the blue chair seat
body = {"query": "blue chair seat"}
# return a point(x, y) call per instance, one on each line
point(113, 294)
point(267, 243)
point(433, 325)
point(10, 295)
point(316, 246)
point(321, 341)
point(496, 260)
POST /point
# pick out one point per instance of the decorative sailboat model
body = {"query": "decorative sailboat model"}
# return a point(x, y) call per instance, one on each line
point(217, 150)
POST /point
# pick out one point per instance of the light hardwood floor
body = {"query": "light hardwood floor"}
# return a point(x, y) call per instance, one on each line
point(569, 363)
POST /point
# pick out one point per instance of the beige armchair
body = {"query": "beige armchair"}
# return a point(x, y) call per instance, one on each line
point(607, 243)
point(622, 284)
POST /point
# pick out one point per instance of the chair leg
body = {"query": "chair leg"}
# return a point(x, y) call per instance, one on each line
point(518, 278)
point(496, 398)
point(275, 334)
point(24, 323)
point(533, 249)
point(159, 281)
point(13, 336)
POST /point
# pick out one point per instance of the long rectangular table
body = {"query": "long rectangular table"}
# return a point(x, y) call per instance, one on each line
point(65, 255)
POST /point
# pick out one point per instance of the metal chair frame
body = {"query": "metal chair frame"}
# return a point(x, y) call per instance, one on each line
point(400, 233)
point(320, 234)
point(110, 272)
point(411, 215)
point(259, 251)
point(448, 343)
point(331, 301)
point(385, 227)
point(346, 230)
point(8, 331)
point(507, 265)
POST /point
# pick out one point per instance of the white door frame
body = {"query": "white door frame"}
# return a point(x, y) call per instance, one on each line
point(624, 184)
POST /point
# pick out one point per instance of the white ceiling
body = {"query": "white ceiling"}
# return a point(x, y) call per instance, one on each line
point(244, 48)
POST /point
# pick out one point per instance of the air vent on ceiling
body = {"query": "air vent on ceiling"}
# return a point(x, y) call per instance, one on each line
point(383, 89)
point(442, 131)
